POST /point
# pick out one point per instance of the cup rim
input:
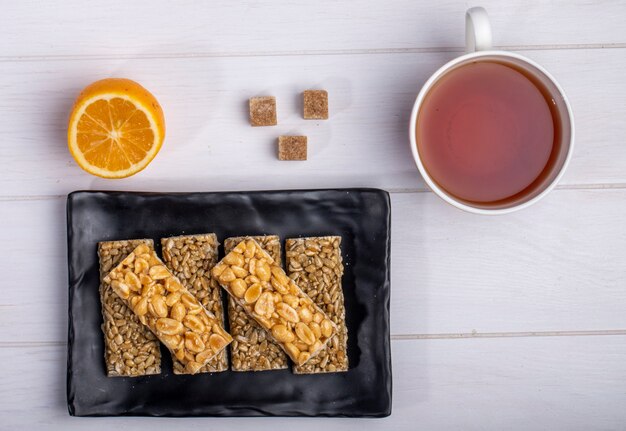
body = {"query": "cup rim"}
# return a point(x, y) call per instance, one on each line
point(418, 160)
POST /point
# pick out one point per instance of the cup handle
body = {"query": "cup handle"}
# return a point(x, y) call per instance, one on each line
point(477, 30)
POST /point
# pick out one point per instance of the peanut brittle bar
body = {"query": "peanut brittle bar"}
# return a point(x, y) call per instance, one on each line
point(130, 349)
point(275, 301)
point(191, 258)
point(173, 314)
point(315, 264)
point(252, 349)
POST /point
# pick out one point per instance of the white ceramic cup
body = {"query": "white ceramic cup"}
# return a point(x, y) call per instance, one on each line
point(478, 47)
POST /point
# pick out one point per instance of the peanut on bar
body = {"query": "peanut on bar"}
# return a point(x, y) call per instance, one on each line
point(278, 305)
point(191, 258)
point(252, 349)
point(130, 349)
point(175, 316)
point(315, 264)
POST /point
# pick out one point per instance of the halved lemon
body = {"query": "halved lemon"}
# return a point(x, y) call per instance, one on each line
point(116, 128)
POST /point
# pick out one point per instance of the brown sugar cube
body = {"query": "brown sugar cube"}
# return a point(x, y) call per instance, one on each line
point(292, 147)
point(263, 111)
point(315, 105)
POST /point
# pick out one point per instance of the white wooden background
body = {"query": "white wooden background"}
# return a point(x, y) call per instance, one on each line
point(512, 322)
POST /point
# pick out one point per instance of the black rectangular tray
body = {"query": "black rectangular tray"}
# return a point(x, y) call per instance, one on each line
point(360, 216)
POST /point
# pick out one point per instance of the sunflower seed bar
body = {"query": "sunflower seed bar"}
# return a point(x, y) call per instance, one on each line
point(173, 314)
point(130, 349)
point(315, 264)
point(251, 349)
point(191, 258)
point(279, 306)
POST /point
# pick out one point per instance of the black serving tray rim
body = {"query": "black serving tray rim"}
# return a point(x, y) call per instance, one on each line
point(386, 340)
point(71, 194)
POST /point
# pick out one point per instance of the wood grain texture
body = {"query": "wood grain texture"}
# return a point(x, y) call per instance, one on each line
point(519, 290)
point(365, 142)
point(573, 383)
point(131, 29)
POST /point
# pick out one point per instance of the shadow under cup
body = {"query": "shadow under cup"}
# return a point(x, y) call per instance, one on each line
point(562, 134)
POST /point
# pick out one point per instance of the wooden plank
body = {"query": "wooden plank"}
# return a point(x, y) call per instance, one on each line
point(557, 266)
point(122, 29)
point(554, 266)
point(37, 271)
point(573, 383)
point(365, 142)
point(563, 383)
